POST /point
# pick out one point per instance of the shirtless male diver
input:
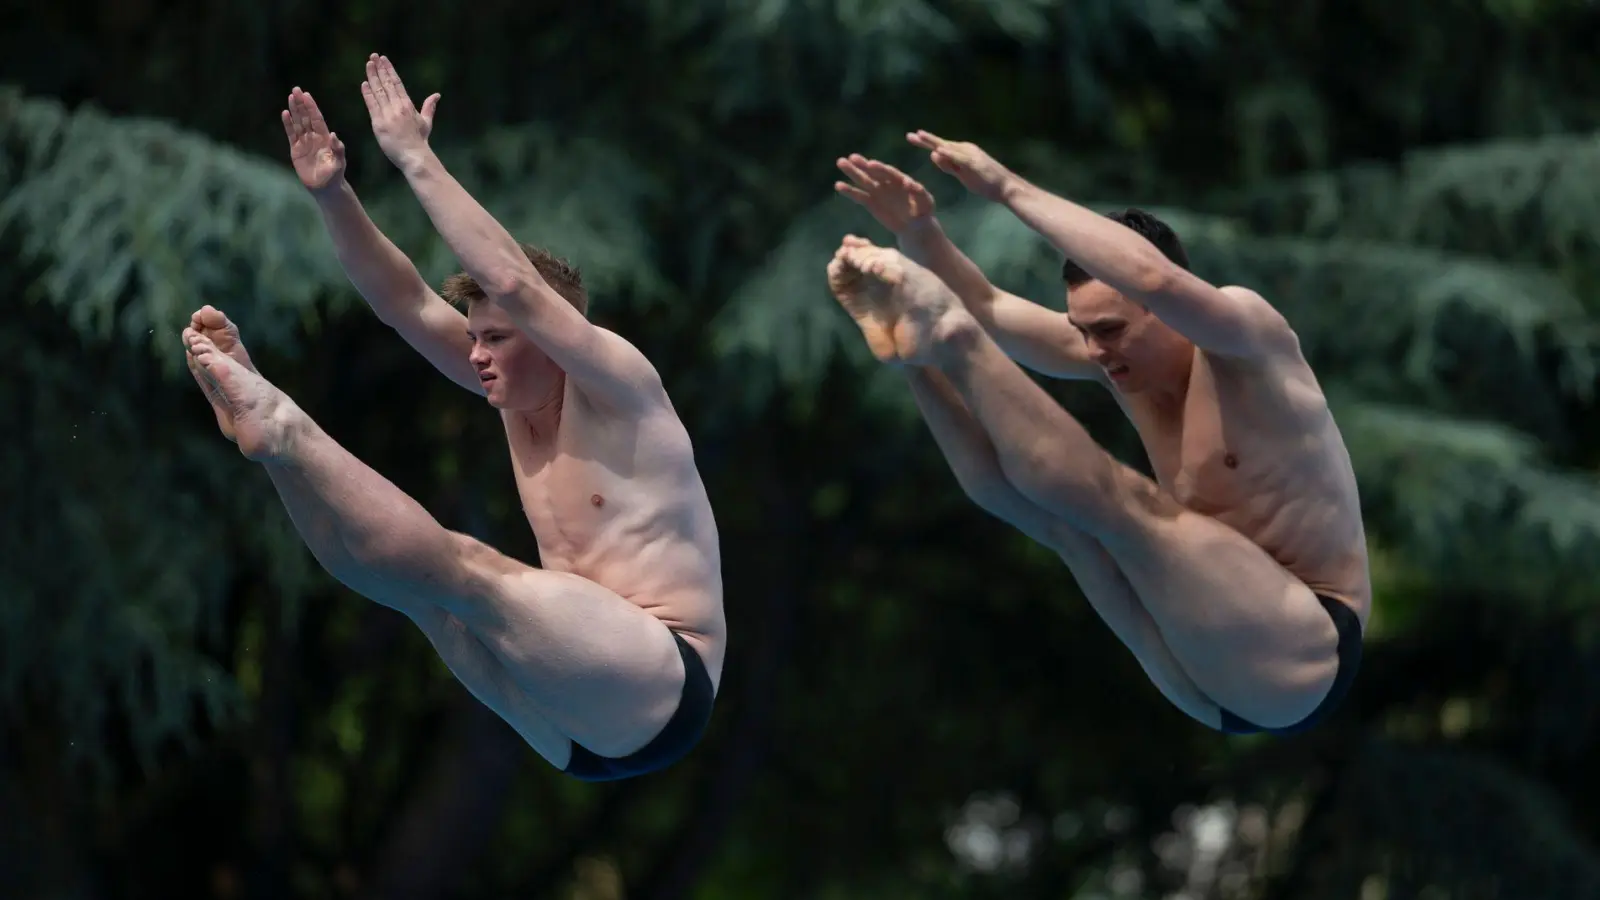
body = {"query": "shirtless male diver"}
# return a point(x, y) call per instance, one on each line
point(605, 660)
point(1239, 577)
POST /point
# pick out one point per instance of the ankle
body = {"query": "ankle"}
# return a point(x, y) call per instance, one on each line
point(955, 333)
point(288, 432)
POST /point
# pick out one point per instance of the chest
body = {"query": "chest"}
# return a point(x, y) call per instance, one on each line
point(1216, 450)
point(569, 480)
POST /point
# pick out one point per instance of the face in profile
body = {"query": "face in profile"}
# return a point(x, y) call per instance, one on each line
point(515, 373)
point(1137, 351)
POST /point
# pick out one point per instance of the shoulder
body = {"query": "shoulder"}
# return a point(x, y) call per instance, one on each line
point(1274, 337)
point(1246, 297)
point(623, 352)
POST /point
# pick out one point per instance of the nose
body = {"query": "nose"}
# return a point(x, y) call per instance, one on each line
point(478, 355)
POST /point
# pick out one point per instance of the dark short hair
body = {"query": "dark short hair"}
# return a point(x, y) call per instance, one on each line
point(1150, 228)
point(462, 290)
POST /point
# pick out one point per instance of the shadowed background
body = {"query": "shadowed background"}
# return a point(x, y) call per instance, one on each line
point(918, 702)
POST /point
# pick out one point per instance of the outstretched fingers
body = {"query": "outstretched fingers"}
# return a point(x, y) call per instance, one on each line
point(392, 84)
point(294, 120)
point(856, 173)
point(884, 173)
point(374, 86)
point(949, 156)
point(852, 192)
point(314, 121)
point(297, 112)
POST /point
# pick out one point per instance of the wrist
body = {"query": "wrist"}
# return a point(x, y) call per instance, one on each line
point(336, 189)
point(918, 228)
point(1011, 189)
point(414, 163)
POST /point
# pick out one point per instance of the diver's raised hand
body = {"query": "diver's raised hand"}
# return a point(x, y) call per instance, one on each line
point(317, 153)
point(977, 171)
point(401, 128)
point(898, 201)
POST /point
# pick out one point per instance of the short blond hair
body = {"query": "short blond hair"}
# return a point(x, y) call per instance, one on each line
point(462, 290)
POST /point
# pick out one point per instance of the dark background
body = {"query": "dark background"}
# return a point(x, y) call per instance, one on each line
point(918, 703)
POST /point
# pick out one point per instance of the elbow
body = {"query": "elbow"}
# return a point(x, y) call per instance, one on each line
point(506, 284)
point(510, 275)
point(1155, 277)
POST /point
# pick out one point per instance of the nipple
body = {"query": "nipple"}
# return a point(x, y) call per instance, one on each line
point(597, 500)
point(1231, 461)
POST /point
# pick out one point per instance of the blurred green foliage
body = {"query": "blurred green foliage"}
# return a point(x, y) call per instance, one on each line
point(918, 702)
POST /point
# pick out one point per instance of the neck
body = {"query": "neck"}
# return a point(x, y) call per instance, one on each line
point(544, 416)
point(1167, 398)
point(1169, 392)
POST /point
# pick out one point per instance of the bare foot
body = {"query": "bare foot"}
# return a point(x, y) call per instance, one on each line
point(902, 309)
point(213, 324)
point(262, 418)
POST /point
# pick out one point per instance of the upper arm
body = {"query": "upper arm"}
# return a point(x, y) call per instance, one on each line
point(1040, 338)
point(1226, 321)
point(601, 364)
point(438, 331)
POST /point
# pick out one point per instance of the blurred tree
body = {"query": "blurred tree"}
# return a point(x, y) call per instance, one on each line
point(917, 702)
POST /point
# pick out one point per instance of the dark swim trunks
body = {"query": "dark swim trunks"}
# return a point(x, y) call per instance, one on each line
point(676, 739)
point(1349, 628)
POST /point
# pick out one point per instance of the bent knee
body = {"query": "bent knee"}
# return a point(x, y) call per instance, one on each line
point(467, 578)
point(478, 560)
point(993, 494)
point(1095, 494)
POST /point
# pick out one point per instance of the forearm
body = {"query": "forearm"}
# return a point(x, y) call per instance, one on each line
point(1107, 250)
point(927, 244)
point(485, 249)
point(1033, 335)
point(385, 277)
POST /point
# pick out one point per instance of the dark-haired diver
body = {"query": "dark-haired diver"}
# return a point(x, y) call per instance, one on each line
point(1239, 576)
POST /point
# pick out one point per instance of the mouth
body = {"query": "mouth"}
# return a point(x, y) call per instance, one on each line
point(487, 379)
point(1118, 371)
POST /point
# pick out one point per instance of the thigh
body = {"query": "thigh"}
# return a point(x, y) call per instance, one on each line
point(1107, 592)
point(1112, 597)
point(600, 668)
point(1249, 632)
point(486, 678)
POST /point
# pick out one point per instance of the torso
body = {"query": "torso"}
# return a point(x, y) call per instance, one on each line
point(618, 500)
point(1255, 446)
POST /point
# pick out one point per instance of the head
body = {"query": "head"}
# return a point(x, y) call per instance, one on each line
point(516, 373)
point(1136, 349)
